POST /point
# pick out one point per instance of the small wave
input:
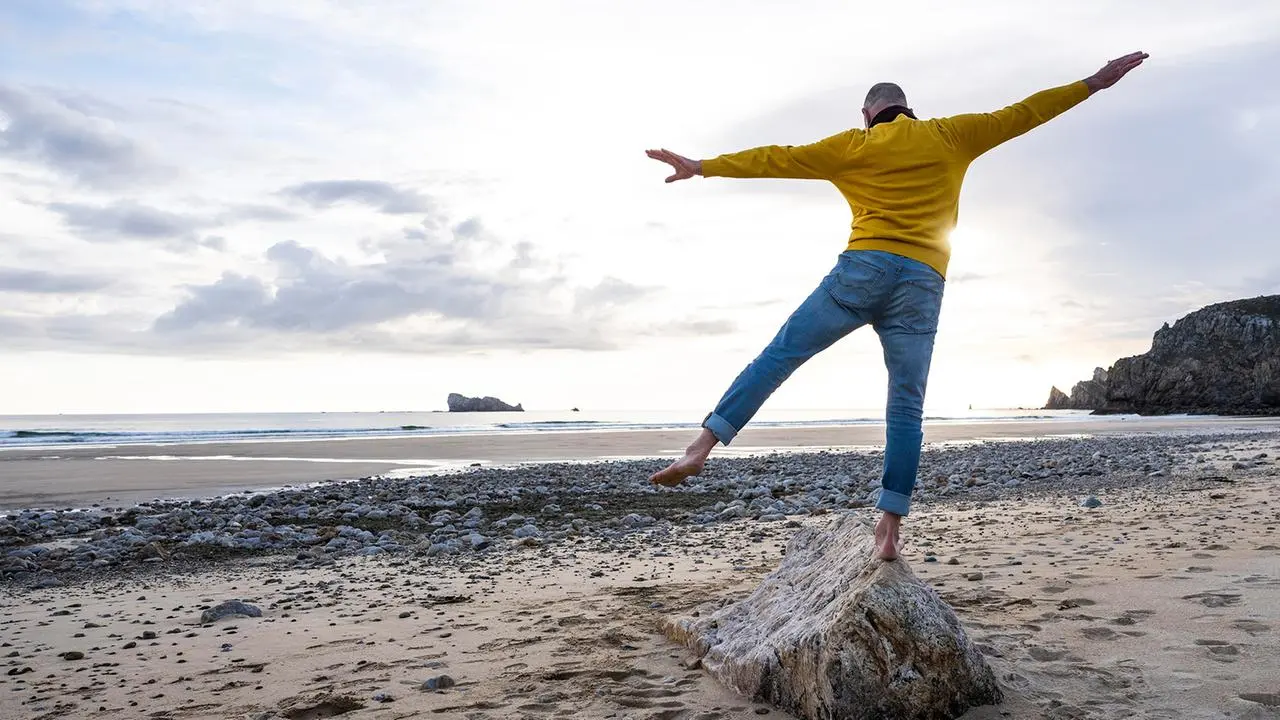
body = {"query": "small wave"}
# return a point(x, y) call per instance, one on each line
point(53, 434)
point(557, 424)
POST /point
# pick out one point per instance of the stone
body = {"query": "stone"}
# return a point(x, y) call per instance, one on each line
point(1090, 502)
point(439, 682)
point(835, 633)
point(72, 655)
point(462, 403)
point(227, 609)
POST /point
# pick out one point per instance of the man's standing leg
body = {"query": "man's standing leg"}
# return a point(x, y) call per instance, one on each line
point(819, 321)
point(907, 329)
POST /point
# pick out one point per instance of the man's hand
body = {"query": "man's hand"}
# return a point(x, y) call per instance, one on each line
point(1111, 73)
point(684, 167)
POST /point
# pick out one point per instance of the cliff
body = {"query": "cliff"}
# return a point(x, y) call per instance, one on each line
point(1223, 359)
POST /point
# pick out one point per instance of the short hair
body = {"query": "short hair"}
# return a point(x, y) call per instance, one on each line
point(885, 92)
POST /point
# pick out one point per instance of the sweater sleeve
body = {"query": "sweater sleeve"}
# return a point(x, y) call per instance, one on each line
point(979, 132)
point(817, 161)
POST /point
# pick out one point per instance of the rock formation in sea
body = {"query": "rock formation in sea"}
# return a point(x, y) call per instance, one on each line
point(1223, 359)
point(1086, 395)
point(836, 633)
point(462, 403)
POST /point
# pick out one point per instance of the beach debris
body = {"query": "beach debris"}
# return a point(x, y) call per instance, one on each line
point(227, 609)
point(439, 682)
point(383, 697)
point(1090, 502)
point(817, 635)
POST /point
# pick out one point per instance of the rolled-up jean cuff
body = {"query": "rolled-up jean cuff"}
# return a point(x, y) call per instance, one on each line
point(893, 502)
point(720, 427)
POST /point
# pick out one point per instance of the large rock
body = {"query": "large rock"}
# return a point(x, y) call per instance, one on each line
point(462, 403)
point(834, 633)
point(1058, 400)
point(1223, 359)
point(1085, 395)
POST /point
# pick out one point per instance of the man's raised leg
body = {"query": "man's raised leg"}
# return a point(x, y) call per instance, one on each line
point(813, 327)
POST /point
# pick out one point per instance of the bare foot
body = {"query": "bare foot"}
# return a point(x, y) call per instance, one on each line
point(889, 547)
point(675, 473)
point(695, 457)
point(888, 542)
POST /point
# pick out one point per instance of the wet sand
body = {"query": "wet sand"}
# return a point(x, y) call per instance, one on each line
point(128, 474)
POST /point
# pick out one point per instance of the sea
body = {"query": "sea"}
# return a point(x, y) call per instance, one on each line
point(27, 431)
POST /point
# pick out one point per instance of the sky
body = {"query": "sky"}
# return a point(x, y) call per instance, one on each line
point(240, 206)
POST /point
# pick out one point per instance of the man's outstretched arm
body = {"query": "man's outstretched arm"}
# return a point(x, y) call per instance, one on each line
point(816, 161)
point(979, 132)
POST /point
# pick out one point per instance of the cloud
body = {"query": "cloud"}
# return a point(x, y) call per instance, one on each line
point(127, 220)
point(381, 196)
point(255, 213)
point(68, 135)
point(43, 282)
point(439, 287)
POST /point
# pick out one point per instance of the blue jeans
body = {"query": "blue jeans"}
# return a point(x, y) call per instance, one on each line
point(901, 298)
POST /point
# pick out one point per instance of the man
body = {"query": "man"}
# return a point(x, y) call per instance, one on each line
point(901, 177)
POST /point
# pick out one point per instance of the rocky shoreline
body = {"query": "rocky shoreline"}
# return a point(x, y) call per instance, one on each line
point(1223, 359)
point(490, 511)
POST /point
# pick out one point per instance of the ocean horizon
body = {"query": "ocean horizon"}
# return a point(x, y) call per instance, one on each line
point(82, 430)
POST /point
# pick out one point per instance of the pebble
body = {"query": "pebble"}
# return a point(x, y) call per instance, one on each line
point(439, 682)
point(72, 655)
point(973, 576)
point(1090, 502)
point(229, 608)
point(472, 512)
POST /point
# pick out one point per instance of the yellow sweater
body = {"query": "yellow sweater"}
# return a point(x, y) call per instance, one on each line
point(902, 178)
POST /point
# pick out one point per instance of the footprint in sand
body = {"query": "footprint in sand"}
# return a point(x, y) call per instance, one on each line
point(1214, 600)
point(1268, 699)
point(1099, 633)
point(1045, 655)
point(1253, 627)
point(318, 707)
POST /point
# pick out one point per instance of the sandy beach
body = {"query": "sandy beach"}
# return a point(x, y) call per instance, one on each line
point(126, 474)
point(1162, 602)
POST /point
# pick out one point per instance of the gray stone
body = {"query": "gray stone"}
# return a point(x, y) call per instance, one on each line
point(1090, 502)
point(439, 682)
point(227, 609)
point(835, 633)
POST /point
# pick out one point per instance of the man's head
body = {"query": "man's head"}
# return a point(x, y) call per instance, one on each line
point(879, 97)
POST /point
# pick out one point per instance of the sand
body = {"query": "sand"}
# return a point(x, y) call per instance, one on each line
point(1162, 603)
point(120, 475)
